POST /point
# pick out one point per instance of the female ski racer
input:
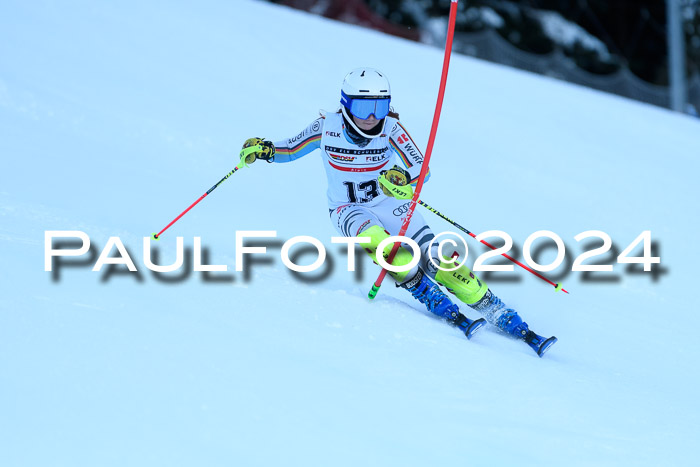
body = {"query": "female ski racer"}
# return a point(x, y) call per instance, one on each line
point(372, 164)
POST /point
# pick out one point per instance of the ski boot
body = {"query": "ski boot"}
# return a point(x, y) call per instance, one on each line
point(466, 325)
point(427, 292)
point(538, 343)
point(511, 323)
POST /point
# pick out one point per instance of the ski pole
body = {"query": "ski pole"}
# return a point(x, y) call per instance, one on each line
point(557, 286)
point(244, 152)
point(431, 140)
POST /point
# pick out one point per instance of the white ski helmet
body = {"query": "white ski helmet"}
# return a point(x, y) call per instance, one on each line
point(365, 92)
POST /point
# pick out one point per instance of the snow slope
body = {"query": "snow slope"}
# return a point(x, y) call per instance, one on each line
point(115, 117)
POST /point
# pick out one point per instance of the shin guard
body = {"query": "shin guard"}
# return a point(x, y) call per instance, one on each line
point(463, 283)
point(403, 257)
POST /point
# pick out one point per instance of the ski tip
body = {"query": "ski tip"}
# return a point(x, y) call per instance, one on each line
point(546, 345)
point(155, 236)
point(475, 326)
point(373, 292)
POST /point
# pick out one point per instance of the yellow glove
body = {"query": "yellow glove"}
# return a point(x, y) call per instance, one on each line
point(256, 148)
point(394, 182)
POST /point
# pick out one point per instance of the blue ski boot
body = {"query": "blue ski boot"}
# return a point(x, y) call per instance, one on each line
point(538, 343)
point(514, 325)
point(427, 292)
point(508, 320)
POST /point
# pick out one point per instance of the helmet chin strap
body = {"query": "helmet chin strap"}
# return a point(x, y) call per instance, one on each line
point(348, 117)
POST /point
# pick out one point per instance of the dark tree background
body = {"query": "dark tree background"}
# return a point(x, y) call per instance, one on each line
point(634, 31)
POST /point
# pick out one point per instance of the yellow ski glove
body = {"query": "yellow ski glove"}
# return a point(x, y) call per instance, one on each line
point(394, 182)
point(256, 148)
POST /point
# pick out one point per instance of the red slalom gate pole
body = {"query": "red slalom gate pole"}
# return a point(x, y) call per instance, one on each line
point(431, 141)
point(557, 286)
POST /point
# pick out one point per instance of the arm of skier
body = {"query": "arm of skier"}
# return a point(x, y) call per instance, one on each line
point(291, 149)
point(406, 149)
point(286, 150)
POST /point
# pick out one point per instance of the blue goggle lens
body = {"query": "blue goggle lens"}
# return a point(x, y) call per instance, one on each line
point(362, 107)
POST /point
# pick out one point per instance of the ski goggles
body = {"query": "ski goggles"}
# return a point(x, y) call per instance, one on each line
point(363, 107)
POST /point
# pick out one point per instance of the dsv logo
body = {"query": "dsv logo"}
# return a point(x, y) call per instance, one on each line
point(401, 210)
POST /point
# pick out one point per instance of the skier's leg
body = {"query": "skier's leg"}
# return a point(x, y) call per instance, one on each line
point(391, 213)
point(403, 257)
point(419, 284)
point(359, 221)
point(474, 292)
point(461, 282)
point(368, 223)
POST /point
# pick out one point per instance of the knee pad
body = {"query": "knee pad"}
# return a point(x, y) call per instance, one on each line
point(403, 257)
point(462, 282)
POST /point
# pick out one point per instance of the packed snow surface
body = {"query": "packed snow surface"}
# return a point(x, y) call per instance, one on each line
point(115, 117)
